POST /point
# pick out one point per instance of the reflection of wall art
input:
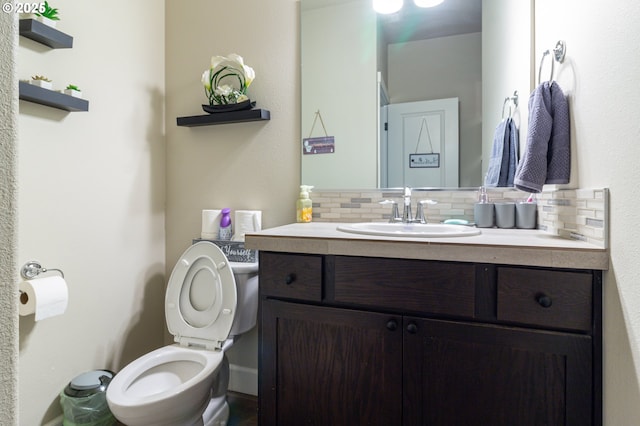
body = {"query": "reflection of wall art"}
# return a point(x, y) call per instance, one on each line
point(429, 161)
point(424, 160)
point(318, 145)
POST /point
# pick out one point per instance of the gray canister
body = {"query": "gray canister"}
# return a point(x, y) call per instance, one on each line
point(526, 215)
point(505, 215)
point(483, 214)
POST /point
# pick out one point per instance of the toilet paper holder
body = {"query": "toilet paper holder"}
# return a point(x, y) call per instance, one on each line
point(33, 268)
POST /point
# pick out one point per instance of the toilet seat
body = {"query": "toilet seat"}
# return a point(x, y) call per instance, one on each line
point(201, 297)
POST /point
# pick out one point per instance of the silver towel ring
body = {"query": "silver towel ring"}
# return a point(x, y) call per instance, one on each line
point(558, 56)
point(544, 55)
point(511, 100)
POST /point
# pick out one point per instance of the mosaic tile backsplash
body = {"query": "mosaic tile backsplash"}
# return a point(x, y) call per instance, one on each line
point(570, 213)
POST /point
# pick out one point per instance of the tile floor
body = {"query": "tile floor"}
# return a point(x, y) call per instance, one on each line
point(244, 409)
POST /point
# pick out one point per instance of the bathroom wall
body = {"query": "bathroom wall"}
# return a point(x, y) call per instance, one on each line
point(8, 286)
point(91, 197)
point(600, 76)
point(253, 165)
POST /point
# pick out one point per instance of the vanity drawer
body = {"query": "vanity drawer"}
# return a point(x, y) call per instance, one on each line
point(544, 298)
point(294, 276)
point(406, 285)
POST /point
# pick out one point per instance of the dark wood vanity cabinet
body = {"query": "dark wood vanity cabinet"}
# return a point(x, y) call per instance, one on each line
point(374, 341)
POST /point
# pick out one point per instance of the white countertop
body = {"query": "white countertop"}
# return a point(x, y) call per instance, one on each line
point(500, 246)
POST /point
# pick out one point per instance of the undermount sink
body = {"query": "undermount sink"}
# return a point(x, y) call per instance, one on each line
point(410, 230)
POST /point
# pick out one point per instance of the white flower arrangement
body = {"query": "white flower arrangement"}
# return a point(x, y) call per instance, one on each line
point(227, 80)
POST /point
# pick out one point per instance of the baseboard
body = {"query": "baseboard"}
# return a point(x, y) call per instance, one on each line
point(243, 379)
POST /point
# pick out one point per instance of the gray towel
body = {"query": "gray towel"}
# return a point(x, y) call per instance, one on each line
point(504, 155)
point(514, 150)
point(547, 155)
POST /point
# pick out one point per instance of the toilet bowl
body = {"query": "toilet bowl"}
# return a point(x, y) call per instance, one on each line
point(169, 386)
point(205, 307)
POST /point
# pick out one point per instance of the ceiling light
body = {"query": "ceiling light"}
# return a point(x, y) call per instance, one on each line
point(387, 6)
point(427, 3)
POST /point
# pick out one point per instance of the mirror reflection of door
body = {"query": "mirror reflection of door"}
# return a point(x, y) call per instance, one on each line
point(422, 144)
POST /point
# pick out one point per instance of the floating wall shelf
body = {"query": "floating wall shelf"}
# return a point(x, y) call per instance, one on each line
point(38, 95)
point(36, 30)
point(224, 118)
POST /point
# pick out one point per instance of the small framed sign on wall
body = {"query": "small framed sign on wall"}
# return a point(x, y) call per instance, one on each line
point(320, 144)
point(429, 161)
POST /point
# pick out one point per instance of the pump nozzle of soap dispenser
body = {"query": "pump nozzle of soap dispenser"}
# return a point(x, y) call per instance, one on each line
point(483, 198)
point(305, 190)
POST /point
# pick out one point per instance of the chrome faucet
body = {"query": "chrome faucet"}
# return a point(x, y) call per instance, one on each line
point(406, 211)
point(407, 217)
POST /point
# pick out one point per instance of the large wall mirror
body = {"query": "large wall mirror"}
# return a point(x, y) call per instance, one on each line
point(409, 99)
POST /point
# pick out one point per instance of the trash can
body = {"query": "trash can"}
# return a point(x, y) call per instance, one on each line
point(84, 400)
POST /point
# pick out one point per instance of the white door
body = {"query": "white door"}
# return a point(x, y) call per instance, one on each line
point(422, 144)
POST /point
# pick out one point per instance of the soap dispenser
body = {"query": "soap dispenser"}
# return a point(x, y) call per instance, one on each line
point(483, 210)
point(304, 205)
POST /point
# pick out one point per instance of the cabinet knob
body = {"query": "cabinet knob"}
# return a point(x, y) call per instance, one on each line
point(289, 279)
point(392, 325)
point(544, 300)
point(412, 328)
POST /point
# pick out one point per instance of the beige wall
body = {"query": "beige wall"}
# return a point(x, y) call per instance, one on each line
point(91, 197)
point(252, 165)
point(8, 286)
point(600, 75)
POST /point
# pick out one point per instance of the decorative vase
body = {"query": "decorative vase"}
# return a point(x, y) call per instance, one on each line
point(41, 83)
point(50, 22)
point(229, 107)
point(72, 92)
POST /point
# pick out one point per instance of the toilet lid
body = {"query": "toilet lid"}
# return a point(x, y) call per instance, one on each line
point(201, 297)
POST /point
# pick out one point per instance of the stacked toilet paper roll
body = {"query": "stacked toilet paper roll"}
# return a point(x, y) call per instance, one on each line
point(44, 297)
point(210, 224)
point(246, 221)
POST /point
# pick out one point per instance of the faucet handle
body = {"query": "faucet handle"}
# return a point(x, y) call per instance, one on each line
point(395, 214)
point(420, 216)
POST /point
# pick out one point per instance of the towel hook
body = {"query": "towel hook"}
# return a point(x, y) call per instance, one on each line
point(559, 53)
point(33, 268)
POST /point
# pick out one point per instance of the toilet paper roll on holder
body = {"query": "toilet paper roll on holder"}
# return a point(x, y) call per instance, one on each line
point(33, 268)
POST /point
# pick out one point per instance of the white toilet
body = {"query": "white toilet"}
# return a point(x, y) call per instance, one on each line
point(208, 302)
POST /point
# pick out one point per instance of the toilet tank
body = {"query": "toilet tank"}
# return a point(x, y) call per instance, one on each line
point(246, 275)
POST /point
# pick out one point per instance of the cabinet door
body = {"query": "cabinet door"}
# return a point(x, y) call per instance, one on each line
point(468, 374)
point(326, 366)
